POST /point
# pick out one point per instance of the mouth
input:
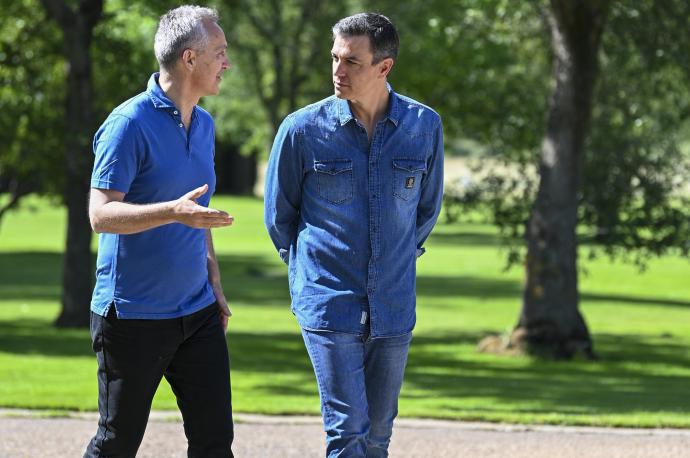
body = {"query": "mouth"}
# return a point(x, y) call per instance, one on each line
point(340, 85)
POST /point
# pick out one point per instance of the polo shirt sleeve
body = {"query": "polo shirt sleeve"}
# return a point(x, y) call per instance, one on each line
point(116, 147)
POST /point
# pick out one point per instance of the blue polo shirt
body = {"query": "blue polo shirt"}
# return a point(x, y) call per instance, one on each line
point(143, 150)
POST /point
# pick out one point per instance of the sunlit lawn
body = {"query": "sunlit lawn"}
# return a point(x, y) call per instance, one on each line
point(640, 323)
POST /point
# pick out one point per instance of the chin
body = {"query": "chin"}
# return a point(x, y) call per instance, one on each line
point(342, 94)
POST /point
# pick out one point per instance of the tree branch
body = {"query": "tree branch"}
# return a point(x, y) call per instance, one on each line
point(16, 192)
point(257, 23)
point(278, 62)
point(60, 12)
point(295, 77)
point(91, 11)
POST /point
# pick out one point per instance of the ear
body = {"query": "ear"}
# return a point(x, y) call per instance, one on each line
point(188, 59)
point(386, 66)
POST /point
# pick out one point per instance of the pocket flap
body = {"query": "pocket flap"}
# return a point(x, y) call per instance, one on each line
point(334, 166)
point(409, 165)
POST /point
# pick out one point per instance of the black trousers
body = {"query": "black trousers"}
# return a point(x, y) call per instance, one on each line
point(133, 356)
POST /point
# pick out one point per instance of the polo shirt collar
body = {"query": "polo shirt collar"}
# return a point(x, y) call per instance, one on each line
point(345, 113)
point(158, 97)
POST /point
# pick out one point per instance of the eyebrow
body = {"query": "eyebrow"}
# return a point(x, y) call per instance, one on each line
point(350, 57)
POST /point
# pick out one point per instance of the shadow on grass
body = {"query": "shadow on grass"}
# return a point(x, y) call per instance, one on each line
point(443, 367)
point(624, 381)
point(38, 276)
point(466, 286)
point(620, 383)
point(269, 354)
point(29, 275)
point(254, 280)
point(465, 238)
point(39, 337)
point(263, 353)
point(631, 300)
point(260, 281)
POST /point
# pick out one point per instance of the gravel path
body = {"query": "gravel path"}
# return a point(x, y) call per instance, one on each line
point(26, 434)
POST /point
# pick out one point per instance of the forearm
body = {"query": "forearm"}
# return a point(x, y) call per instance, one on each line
point(212, 262)
point(214, 279)
point(127, 218)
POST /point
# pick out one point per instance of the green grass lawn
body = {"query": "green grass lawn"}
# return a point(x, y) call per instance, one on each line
point(640, 324)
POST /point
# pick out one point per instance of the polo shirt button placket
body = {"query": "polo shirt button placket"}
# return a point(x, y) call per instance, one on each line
point(177, 118)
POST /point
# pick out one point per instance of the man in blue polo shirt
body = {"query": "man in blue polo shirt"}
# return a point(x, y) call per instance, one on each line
point(353, 189)
point(158, 308)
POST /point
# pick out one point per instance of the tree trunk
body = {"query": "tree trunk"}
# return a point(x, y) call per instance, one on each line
point(235, 173)
point(550, 323)
point(77, 28)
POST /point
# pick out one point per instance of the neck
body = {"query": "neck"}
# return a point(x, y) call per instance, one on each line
point(177, 90)
point(370, 109)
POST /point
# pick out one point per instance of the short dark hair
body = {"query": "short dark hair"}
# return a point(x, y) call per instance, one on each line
point(383, 37)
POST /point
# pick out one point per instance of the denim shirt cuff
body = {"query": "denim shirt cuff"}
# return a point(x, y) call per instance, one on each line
point(421, 251)
point(284, 255)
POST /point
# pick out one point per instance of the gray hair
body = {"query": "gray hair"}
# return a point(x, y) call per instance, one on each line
point(383, 38)
point(179, 29)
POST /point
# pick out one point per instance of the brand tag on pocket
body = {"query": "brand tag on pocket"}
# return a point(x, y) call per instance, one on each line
point(409, 183)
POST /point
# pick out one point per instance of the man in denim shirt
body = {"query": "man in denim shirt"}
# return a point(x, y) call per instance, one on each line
point(353, 189)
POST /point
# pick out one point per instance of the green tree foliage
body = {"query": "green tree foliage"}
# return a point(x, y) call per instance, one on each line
point(122, 53)
point(491, 83)
point(628, 185)
point(55, 101)
point(635, 201)
point(485, 65)
point(31, 98)
point(480, 63)
point(32, 93)
point(280, 52)
point(76, 22)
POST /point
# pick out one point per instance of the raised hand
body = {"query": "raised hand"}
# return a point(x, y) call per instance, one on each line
point(187, 211)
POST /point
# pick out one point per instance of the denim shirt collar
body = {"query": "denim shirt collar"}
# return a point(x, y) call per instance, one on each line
point(345, 113)
point(158, 97)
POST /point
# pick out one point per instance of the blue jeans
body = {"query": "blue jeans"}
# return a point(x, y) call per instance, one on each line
point(359, 380)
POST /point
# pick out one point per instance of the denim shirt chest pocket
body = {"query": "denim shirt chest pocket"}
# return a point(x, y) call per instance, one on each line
point(407, 177)
point(334, 179)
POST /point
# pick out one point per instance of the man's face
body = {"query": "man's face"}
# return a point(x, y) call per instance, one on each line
point(354, 75)
point(211, 62)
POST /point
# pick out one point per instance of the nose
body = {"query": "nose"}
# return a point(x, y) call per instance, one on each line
point(226, 64)
point(338, 68)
